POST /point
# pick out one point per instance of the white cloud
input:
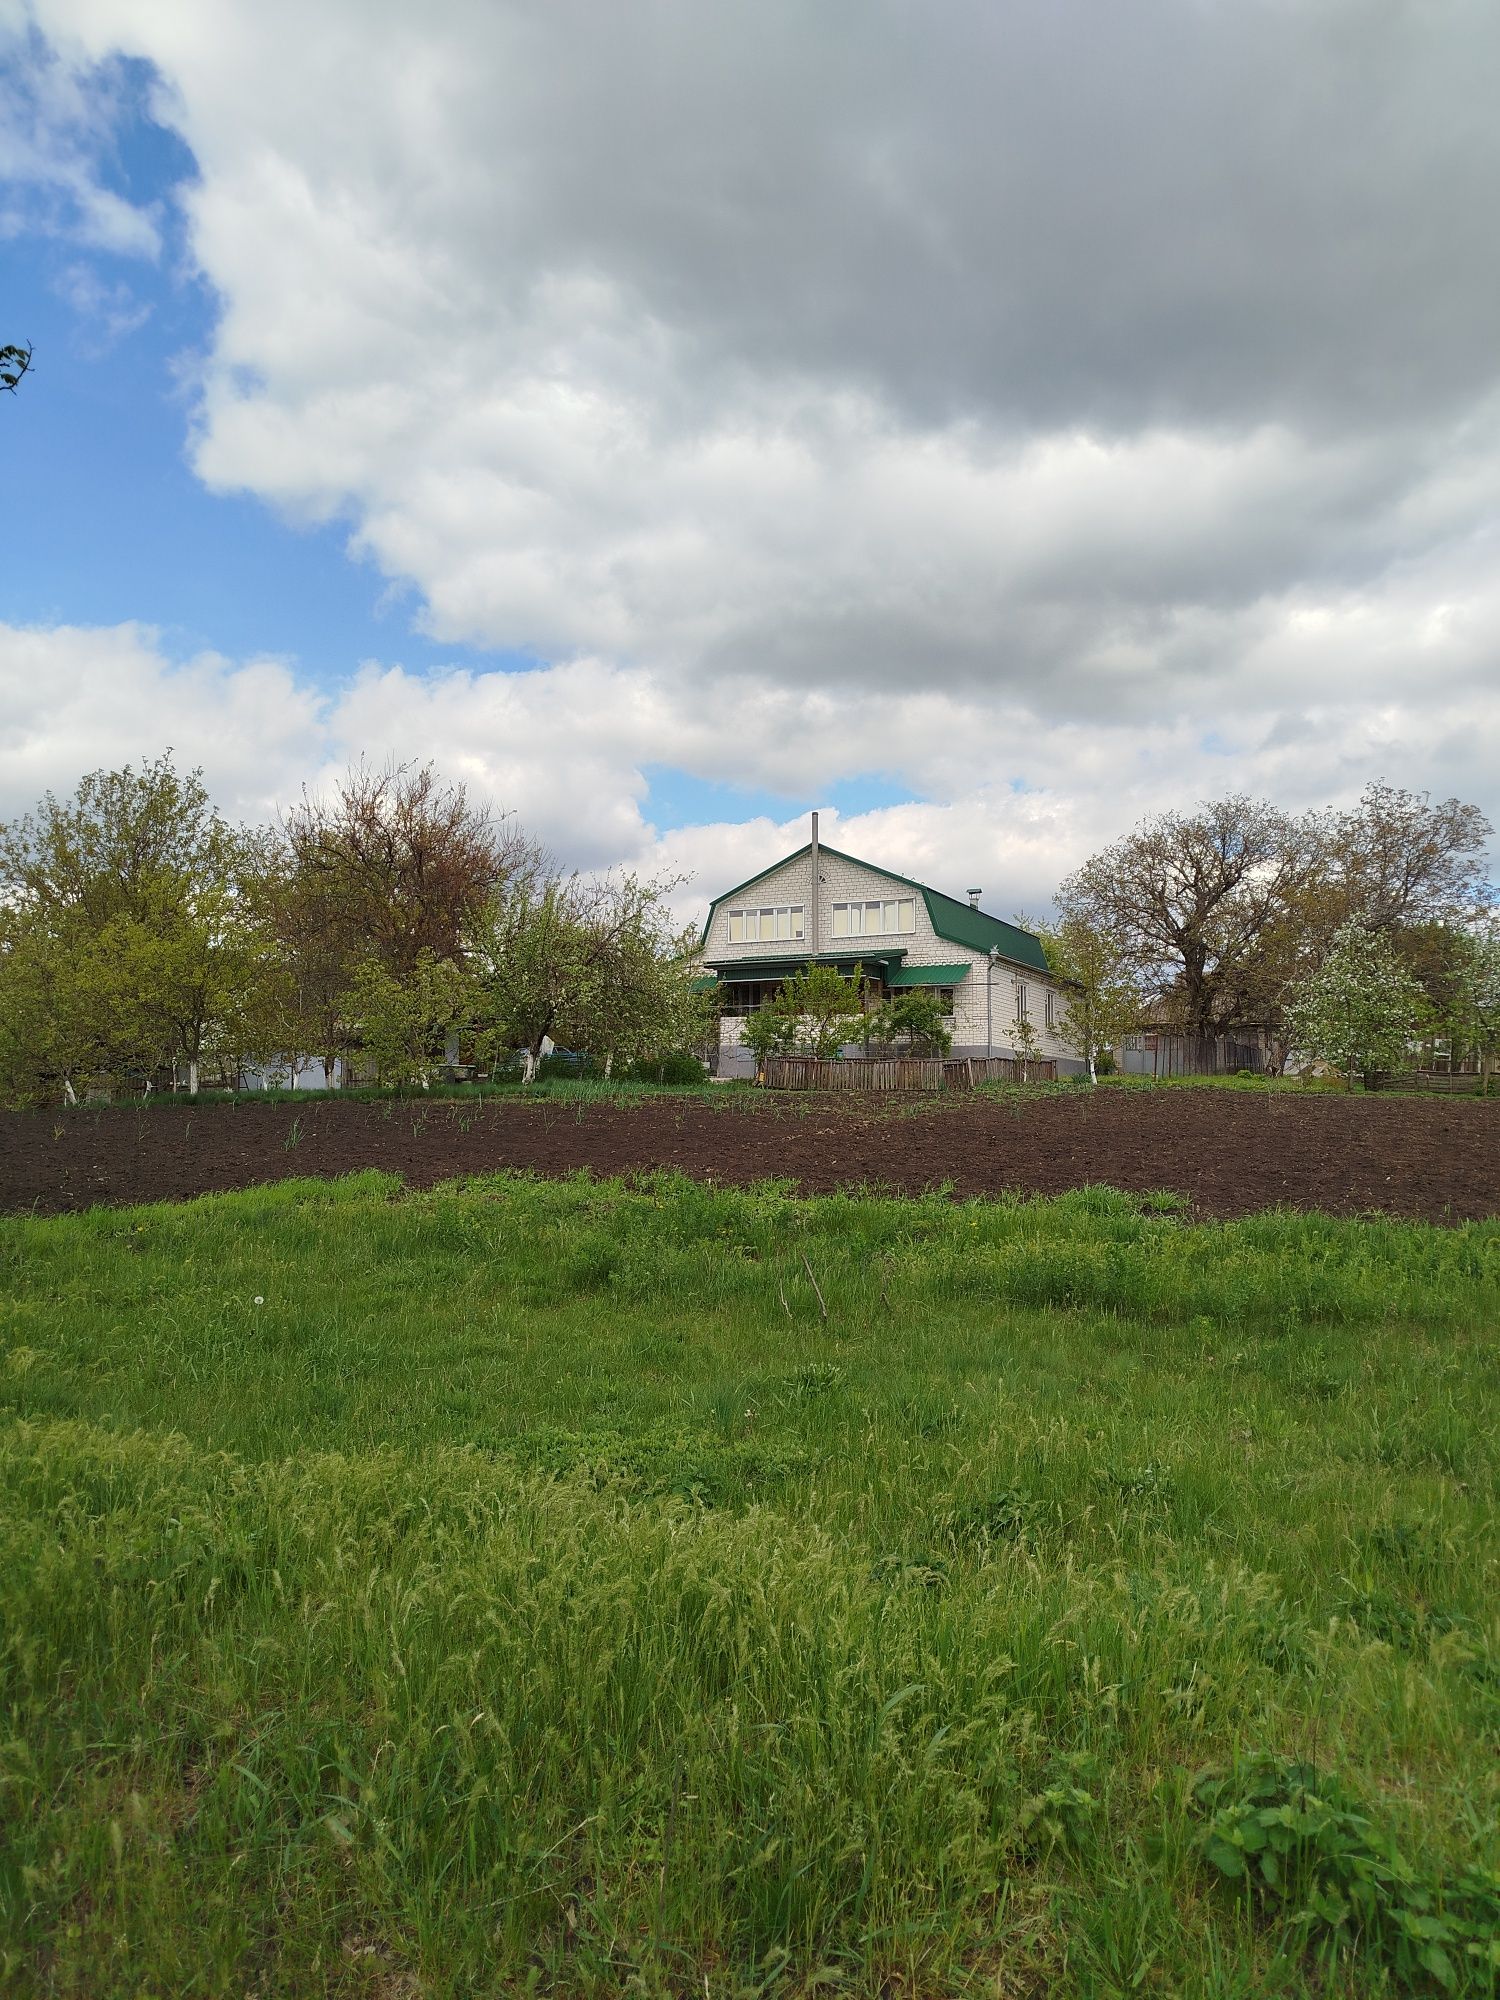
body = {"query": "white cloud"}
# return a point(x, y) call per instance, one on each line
point(1011, 800)
point(56, 122)
point(1064, 412)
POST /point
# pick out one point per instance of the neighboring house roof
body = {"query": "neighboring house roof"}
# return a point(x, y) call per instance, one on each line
point(958, 922)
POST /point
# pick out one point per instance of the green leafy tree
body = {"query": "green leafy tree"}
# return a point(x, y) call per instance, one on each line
point(531, 953)
point(405, 1025)
point(639, 1001)
point(812, 1013)
point(128, 905)
point(1103, 1000)
point(15, 362)
point(597, 965)
point(827, 1009)
point(1360, 1009)
point(1471, 1016)
point(912, 1021)
point(769, 1031)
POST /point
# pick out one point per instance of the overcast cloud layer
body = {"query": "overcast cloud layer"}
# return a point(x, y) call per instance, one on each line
point(1065, 410)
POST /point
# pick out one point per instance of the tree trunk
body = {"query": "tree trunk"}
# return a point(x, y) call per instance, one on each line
point(192, 1076)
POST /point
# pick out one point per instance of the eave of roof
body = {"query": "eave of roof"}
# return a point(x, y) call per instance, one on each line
point(958, 922)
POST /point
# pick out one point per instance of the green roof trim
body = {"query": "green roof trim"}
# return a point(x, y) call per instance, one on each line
point(958, 922)
point(928, 975)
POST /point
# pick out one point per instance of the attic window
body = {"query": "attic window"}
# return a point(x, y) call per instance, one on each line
point(875, 919)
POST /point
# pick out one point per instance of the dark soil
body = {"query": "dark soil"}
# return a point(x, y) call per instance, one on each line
point(1228, 1152)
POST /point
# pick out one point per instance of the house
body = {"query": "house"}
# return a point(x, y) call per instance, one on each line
point(820, 906)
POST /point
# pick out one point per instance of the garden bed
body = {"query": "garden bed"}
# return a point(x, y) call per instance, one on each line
point(1225, 1152)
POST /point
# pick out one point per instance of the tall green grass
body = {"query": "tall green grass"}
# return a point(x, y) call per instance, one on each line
point(589, 1589)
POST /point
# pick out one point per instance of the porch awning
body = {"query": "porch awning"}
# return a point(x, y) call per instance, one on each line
point(926, 975)
point(883, 960)
point(705, 983)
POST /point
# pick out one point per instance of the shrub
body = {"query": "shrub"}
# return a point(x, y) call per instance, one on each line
point(678, 1068)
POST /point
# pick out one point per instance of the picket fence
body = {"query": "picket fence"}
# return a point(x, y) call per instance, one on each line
point(902, 1072)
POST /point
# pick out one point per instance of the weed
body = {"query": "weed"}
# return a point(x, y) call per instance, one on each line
point(1302, 1843)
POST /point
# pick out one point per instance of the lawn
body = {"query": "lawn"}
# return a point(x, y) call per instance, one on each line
point(590, 1588)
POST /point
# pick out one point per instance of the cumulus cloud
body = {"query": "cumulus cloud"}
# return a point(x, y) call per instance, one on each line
point(1061, 410)
point(57, 118)
point(856, 342)
point(1010, 798)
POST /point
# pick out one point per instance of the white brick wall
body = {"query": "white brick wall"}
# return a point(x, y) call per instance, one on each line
point(853, 881)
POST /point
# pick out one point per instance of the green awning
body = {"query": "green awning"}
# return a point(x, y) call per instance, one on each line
point(883, 960)
point(926, 975)
point(705, 984)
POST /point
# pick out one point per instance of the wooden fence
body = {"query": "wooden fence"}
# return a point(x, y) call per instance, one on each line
point(902, 1072)
point(1424, 1079)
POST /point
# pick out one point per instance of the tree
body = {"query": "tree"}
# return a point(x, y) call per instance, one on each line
point(15, 361)
point(1360, 1008)
point(1103, 1001)
point(596, 964)
point(1399, 860)
point(812, 1013)
point(394, 864)
point(1220, 912)
point(1185, 900)
point(128, 905)
point(405, 1025)
point(771, 1030)
point(638, 1001)
point(1472, 1013)
point(531, 953)
point(913, 1021)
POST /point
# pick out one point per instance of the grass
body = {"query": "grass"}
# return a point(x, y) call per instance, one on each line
point(525, 1587)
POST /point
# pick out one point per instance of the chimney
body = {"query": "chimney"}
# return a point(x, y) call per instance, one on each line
point(814, 899)
point(974, 896)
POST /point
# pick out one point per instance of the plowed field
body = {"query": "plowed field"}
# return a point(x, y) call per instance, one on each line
point(1228, 1152)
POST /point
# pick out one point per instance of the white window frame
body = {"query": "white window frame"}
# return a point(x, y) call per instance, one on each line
point(883, 906)
point(1049, 1003)
point(1021, 1001)
point(796, 925)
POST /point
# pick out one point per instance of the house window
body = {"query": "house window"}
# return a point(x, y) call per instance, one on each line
point(782, 921)
point(875, 919)
point(1050, 1009)
point(1021, 1000)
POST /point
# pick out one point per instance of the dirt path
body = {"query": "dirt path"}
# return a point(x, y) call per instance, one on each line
point(1229, 1152)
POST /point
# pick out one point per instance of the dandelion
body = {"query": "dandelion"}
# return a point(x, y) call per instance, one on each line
point(259, 1300)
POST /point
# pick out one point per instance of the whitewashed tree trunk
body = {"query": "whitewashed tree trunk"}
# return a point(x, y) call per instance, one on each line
point(193, 1077)
point(70, 1095)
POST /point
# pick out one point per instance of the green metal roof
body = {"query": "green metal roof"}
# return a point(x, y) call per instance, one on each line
point(955, 921)
point(705, 984)
point(928, 975)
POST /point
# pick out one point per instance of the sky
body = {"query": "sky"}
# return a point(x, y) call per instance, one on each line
point(986, 424)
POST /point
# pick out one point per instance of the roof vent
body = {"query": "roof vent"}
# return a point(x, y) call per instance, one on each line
point(974, 896)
